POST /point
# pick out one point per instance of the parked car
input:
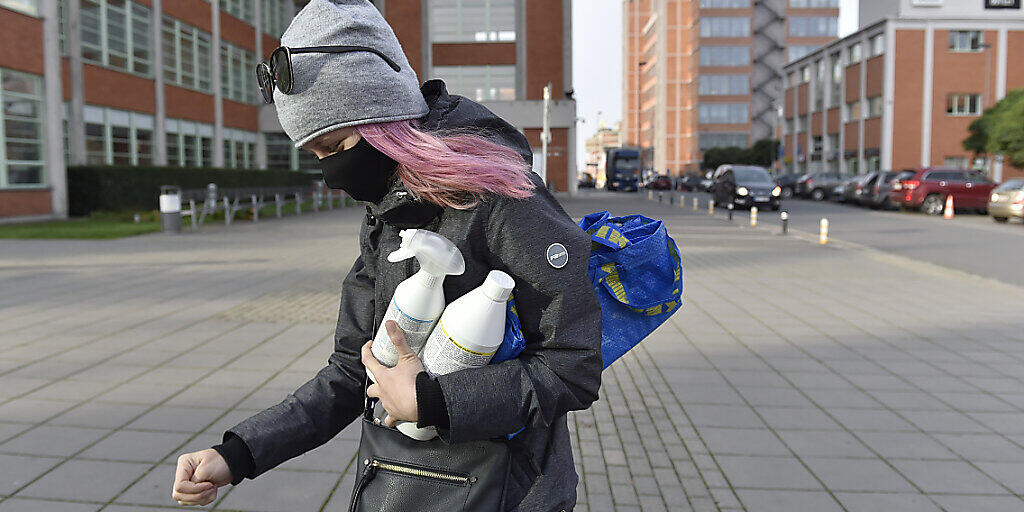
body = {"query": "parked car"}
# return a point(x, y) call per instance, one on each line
point(690, 182)
point(1007, 201)
point(788, 184)
point(853, 187)
point(818, 185)
point(927, 189)
point(660, 183)
point(745, 186)
point(707, 182)
point(876, 193)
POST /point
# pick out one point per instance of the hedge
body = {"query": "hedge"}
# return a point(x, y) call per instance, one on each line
point(111, 188)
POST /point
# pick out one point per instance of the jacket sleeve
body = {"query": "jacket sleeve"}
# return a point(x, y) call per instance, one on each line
point(320, 408)
point(560, 368)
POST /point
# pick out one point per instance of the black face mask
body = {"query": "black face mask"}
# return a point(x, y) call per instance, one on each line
point(361, 171)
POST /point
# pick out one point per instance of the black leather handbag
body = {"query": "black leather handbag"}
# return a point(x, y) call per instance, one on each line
point(399, 474)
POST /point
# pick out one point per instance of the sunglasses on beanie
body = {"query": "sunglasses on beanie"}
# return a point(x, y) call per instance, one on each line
point(278, 71)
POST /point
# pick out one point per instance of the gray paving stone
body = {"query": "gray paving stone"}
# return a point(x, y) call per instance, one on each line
point(762, 500)
point(980, 503)
point(947, 477)
point(53, 441)
point(857, 475)
point(875, 502)
point(135, 446)
point(828, 443)
point(767, 473)
point(31, 505)
point(97, 481)
point(909, 445)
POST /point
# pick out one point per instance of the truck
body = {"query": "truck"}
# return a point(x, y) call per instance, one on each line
point(622, 169)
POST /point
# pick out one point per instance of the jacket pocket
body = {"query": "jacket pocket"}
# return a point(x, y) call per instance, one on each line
point(421, 488)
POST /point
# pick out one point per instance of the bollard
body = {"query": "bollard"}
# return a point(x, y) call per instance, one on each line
point(823, 234)
point(277, 201)
point(298, 203)
point(731, 208)
point(753, 216)
point(330, 199)
point(947, 212)
point(660, 196)
point(255, 208)
point(695, 204)
point(170, 208)
point(671, 199)
point(682, 201)
point(711, 206)
point(650, 195)
point(785, 222)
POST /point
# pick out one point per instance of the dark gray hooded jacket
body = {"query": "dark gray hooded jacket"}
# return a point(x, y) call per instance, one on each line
point(559, 371)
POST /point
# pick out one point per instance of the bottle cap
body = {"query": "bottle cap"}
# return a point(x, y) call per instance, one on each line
point(498, 286)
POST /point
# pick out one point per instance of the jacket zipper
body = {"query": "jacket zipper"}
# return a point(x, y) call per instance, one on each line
point(406, 470)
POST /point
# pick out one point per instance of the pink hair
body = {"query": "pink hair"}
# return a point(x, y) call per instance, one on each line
point(452, 170)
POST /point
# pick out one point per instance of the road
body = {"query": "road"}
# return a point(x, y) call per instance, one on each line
point(969, 242)
point(786, 382)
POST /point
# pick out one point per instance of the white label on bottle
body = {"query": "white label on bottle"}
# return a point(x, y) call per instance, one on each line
point(443, 355)
point(416, 333)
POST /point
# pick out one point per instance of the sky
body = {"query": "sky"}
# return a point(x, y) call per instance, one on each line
point(597, 62)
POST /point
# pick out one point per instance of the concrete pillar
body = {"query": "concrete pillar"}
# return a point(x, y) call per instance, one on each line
point(257, 21)
point(218, 97)
point(926, 96)
point(76, 110)
point(159, 93)
point(53, 124)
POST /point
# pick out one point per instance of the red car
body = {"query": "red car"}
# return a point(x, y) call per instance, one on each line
point(927, 189)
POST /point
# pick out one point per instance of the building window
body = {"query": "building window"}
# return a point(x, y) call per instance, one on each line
point(724, 4)
point(239, 149)
point(963, 104)
point(710, 140)
point(236, 73)
point(852, 111)
point(186, 55)
point(115, 33)
point(966, 40)
point(819, 85)
point(719, 85)
point(279, 151)
point(877, 45)
point(21, 134)
point(723, 113)
point(241, 9)
point(465, 21)
point(813, 26)
point(275, 15)
point(853, 56)
point(725, 56)
point(805, 74)
point(874, 107)
point(833, 144)
point(480, 83)
point(725, 26)
point(797, 51)
point(955, 162)
point(117, 137)
point(189, 144)
point(837, 80)
point(813, 4)
point(30, 7)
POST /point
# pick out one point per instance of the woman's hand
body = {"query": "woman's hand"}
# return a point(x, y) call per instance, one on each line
point(198, 476)
point(395, 387)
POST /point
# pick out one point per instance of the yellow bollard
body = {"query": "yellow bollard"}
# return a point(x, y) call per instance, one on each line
point(823, 234)
point(753, 216)
point(682, 201)
point(711, 206)
point(695, 207)
point(650, 195)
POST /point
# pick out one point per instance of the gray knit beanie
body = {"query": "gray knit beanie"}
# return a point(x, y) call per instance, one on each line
point(334, 90)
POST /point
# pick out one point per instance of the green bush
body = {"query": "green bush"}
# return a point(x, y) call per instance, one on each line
point(95, 188)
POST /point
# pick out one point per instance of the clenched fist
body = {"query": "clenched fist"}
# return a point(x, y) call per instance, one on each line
point(198, 476)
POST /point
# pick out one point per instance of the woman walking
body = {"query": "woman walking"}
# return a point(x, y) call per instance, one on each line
point(423, 158)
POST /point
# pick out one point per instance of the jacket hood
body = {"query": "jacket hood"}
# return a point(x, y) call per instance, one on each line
point(448, 112)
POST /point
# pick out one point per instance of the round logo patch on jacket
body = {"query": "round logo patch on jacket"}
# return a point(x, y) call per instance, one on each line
point(557, 255)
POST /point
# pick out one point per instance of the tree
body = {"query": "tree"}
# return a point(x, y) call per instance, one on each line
point(998, 118)
point(761, 153)
point(1006, 136)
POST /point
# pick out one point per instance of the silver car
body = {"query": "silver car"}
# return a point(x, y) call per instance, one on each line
point(1007, 201)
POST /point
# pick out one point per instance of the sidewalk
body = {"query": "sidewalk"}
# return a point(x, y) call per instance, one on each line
point(796, 377)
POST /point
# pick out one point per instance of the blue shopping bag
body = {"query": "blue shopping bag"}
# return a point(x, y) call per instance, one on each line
point(637, 271)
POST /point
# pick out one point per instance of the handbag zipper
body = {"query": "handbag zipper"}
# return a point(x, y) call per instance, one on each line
point(376, 464)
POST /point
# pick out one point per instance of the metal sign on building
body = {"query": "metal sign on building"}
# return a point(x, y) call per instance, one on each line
point(1002, 4)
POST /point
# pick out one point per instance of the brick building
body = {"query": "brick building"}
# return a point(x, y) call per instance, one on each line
point(707, 73)
point(501, 53)
point(902, 90)
point(171, 82)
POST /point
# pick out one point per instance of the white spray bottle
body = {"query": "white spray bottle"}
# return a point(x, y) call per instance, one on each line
point(467, 336)
point(419, 300)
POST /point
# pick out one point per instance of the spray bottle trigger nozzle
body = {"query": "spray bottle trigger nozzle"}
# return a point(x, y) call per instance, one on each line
point(402, 253)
